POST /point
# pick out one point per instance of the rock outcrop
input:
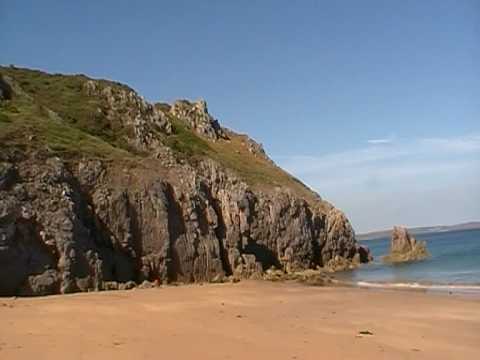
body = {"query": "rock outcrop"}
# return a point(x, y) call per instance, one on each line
point(5, 90)
point(124, 110)
point(197, 117)
point(404, 247)
point(73, 220)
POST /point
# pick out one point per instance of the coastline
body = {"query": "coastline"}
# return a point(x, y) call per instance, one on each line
point(471, 290)
point(420, 231)
point(281, 320)
point(453, 264)
point(467, 289)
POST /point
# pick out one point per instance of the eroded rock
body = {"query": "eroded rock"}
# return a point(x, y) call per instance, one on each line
point(404, 247)
point(124, 107)
point(88, 227)
point(197, 117)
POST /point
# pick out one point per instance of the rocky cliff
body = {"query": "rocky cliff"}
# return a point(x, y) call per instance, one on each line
point(100, 189)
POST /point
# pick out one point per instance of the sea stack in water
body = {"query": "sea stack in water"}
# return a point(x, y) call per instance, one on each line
point(404, 247)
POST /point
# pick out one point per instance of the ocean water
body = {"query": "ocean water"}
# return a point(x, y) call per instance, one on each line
point(454, 264)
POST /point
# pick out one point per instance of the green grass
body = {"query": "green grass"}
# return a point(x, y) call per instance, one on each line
point(80, 129)
point(232, 155)
point(64, 95)
point(255, 170)
point(4, 118)
point(27, 125)
point(185, 142)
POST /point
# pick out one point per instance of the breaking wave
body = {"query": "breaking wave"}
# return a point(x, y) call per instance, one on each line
point(468, 288)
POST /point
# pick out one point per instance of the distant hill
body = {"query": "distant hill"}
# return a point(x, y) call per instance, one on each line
point(472, 225)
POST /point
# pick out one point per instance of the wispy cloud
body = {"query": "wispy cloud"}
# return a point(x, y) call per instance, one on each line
point(443, 167)
point(465, 144)
point(379, 141)
point(401, 153)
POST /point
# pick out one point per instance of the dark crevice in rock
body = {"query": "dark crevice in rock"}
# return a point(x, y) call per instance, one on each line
point(220, 228)
point(136, 239)
point(220, 232)
point(23, 255)
point(262, 254)
point(176, 229)
point(201, 216)
point(99, 235)
point(318, 239)
point(97, 256)
point(8, 176)
point(39, 256)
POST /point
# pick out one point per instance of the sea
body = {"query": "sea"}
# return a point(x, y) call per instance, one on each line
point(454, 264)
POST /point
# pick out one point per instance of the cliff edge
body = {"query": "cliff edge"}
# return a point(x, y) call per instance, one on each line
point(100, 189)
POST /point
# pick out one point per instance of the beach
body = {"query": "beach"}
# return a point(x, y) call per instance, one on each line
point(247, 320)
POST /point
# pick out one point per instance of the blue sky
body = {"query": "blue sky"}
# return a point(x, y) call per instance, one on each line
point(375, 104)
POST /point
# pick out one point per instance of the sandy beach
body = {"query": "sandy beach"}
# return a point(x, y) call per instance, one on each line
point(248, 320)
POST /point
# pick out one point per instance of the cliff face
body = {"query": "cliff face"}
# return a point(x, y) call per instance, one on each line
point(100, 189)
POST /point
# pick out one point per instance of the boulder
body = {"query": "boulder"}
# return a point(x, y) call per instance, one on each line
point(146, 285)
point(47, 283)
point(7, 175)
point(6, 91)
point(339, 263)
point(110, 285)
point(364, 254)
point(129, 285)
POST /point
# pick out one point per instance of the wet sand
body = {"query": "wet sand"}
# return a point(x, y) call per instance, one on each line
point(248, 320)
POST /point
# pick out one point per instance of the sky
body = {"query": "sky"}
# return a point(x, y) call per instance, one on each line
point(375, 104)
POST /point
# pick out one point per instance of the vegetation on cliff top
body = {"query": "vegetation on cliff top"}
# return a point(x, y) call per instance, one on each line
point(55, 113)
point(185, 142)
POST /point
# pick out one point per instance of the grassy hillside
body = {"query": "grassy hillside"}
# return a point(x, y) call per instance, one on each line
point(55, 113)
